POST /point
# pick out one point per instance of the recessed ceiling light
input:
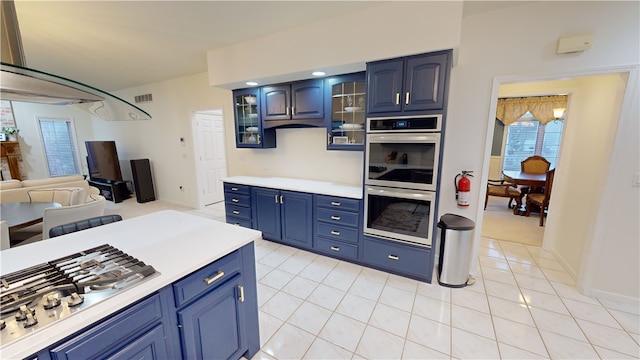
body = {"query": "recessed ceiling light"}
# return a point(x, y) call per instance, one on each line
point(318, 73)
point(251, 83)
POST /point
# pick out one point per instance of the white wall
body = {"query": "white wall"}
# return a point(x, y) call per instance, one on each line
point(503, 45)
point(344, 42)
point(31, 147)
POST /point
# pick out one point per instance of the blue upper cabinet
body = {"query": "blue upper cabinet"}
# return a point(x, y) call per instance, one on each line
point(345, 101)
point(413, 83)
point(249, 129)
point(299, 103)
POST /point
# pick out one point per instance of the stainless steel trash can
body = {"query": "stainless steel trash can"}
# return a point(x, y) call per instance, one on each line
point(455, 250)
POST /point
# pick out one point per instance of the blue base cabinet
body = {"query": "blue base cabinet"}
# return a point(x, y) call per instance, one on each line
point(337, 226)
point(283, 216)
point(209, 314)
point(398, 258)
point(237, 200)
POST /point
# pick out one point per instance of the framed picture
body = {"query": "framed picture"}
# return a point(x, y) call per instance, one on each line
point(340, 139)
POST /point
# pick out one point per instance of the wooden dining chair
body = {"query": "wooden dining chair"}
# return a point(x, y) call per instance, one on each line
point(502, 188)
point(541, 200)
point(535, 165)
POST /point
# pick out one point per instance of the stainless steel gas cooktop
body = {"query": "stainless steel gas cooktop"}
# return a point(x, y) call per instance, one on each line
point(43, 294)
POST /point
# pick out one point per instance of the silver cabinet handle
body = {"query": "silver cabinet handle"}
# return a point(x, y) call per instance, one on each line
point(335, 248)
point(281, 199)
point(276, 199)
point(293, 110)
point(397, 98)
point(236, 212)
point(286, 111)
point(335, 203)
point(406, 99)
point(235, 200)
point(209, 281)
point(234, 189)
point(328, 139)
point(393, 257)
point(241, 293)
point(336, 218)
point(258, 139)
point(333, 232)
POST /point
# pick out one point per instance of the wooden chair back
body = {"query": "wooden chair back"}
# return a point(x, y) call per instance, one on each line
point(535, 165)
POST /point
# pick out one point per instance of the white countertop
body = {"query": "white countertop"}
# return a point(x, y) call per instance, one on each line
point(309, 186)
point(174, 243)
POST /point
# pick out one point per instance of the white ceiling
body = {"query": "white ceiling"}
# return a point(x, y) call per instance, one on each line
point(114, 45)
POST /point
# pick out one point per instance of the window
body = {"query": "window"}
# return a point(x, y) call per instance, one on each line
point(527, 137)
point(59, 146)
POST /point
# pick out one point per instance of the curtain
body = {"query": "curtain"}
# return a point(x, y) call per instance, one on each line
point(541, 107)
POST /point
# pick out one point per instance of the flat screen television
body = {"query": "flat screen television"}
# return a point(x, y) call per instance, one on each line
point(102, 160)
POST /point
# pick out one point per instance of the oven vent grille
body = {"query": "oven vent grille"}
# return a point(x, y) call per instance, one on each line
point(143, 98)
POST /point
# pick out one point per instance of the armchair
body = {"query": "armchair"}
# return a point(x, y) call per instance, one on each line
point(541, 200)
point(503, 189)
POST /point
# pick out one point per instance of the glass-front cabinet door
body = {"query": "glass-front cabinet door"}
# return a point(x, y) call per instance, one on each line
point(345, 128)
point(248, 125)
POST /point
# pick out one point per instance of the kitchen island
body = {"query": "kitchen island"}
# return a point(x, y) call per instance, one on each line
point(176, 245)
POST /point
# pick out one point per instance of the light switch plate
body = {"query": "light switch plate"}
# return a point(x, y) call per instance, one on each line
point(636, 180)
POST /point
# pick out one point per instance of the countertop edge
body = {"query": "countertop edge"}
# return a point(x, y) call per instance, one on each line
point(301, 185)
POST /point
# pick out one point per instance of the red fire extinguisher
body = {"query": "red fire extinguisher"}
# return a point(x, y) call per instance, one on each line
point(463, 187)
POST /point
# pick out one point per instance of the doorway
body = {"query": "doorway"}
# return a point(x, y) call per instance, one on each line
point(211, 156)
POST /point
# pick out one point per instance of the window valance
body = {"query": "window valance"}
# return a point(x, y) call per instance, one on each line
point(541, 107)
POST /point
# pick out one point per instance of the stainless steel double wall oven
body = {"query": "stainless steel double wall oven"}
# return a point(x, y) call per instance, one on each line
point(402, 157)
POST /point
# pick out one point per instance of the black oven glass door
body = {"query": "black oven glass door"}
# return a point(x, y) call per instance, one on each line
point(399, 214)
point(403, 160)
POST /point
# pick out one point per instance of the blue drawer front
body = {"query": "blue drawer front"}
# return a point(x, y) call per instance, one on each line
point(237, 199)
point(118, 330)
point(337, 232)
point(396, 256)
point(336, 248)
point(206, 278)
point(240, 222)
point(237, 211)
point(338, 217)
point(236, 189)
point(338, 203)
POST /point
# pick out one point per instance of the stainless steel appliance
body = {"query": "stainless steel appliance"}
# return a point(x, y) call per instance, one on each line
point(402, 157)
point(40, 295)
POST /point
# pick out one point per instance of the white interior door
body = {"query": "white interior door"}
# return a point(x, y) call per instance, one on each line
point(212, 158)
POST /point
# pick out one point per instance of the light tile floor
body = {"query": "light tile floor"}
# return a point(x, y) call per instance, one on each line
point(523, 306)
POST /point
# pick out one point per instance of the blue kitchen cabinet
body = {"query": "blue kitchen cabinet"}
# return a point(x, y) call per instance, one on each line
point(345, 104)
point(249, 129)
point(298, 103)
point(337, 226)
point(211, 327)
point(399, 258)
point(284, 216)
point(136, 332)
point(408, 84)
point(237, 205)
point(210, 314)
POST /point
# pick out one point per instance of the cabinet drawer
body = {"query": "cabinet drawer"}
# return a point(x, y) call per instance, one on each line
point(338, 203)
point(119, 329)
point(240, 222)
point(390, 255)
point(237, 199)
point(338, 232)
point(336, 248)
point(206, 278)
point(236, 189)
point(338, 217)
point(238, 211)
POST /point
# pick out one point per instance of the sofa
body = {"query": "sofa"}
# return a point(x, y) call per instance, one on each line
point(18, 191)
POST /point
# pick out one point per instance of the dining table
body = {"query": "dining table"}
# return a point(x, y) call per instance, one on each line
point(19, 215)
point(532, 180)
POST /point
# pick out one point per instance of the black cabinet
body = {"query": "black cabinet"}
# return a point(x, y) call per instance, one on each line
point(249, 129)
point(300, 101)
point(115, 191)
point(408, 84)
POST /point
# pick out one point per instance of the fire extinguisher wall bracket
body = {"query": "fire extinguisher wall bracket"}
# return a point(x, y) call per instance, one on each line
point(463, 187)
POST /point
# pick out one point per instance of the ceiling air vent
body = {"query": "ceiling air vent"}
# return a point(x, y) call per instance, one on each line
point(143, 98)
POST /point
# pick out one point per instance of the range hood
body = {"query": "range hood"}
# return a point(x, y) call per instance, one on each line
point(20, 83)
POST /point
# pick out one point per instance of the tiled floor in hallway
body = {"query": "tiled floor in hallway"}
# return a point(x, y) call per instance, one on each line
point(524, 306)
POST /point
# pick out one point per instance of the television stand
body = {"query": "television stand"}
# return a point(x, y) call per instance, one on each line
point(112, 190)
